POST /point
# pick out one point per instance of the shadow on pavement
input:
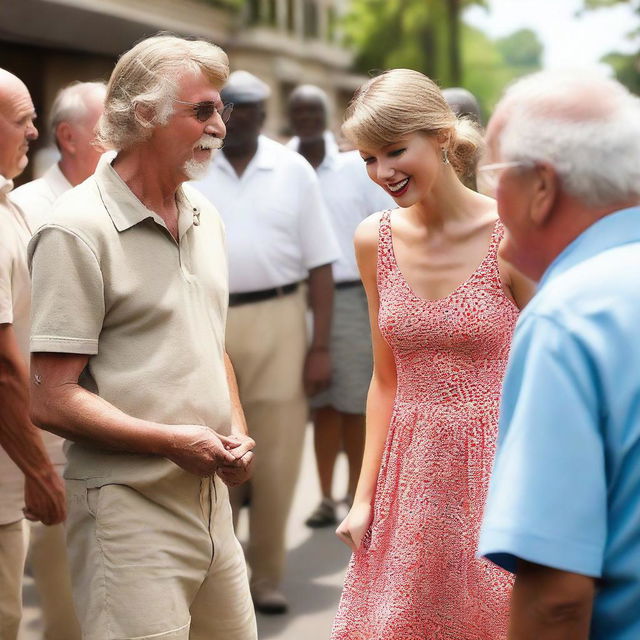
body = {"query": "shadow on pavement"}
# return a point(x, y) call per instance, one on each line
point(313, 586)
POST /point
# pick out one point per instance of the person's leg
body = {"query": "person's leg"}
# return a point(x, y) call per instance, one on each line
point(353, 442)
point(222, 609)
point(47, 558)
point(327, 440)
point(266, 342)
point(278, 429)
point(137, 560)
point(12, 554)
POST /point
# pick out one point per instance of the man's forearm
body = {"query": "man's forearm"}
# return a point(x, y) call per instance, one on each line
point(18, 436)
point(321, 303)
point(60, 405)
point(548, 604)
point(81, 416)
point(238, 422)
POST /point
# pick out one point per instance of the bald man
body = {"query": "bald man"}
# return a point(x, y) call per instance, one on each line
point(29, 485)
point(72, 122)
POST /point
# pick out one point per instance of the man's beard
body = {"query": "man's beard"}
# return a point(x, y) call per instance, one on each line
point(195, 170)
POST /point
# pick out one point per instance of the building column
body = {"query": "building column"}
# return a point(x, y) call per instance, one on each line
point(299, 19)
point(323, 19)
point(281, 15)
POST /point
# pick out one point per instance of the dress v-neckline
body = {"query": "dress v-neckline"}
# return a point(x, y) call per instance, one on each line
point(463, 284)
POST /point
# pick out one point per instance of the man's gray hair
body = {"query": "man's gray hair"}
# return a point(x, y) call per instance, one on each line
point(310, 92)
point(587, 128)
point(145, 81)
point(70, 104)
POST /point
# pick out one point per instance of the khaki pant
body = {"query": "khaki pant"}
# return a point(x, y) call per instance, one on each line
point(159, 561)
point(47, 558)
point(266, 342)
point(13, 543)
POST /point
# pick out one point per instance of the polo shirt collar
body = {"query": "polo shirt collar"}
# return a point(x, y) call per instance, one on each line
point(126, 210)
point(614, 230)
point(6, 185)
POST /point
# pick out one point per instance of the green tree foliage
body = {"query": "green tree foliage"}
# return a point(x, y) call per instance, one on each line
point(417, 34)
point(521, 49)
point(421, 34)
point(626, 67)
point(489, 66)
point(225, 4)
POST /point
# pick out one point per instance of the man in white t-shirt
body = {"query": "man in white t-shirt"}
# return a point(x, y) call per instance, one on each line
point(74, 115)
point(350, 196)
point(29, 485)
point(278, 236)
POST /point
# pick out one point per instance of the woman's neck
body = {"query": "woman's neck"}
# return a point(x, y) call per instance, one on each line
point(448, 202)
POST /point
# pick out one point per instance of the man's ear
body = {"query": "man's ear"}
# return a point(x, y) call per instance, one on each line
point(144, 114)
point(545, 193)
point(65, 136)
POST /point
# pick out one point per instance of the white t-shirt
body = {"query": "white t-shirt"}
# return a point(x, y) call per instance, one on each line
point(350, 196)
point(36, 198)
point(277, 224)
point(15, 306)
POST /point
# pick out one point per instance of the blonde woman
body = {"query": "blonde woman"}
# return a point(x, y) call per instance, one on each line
point(442, 307)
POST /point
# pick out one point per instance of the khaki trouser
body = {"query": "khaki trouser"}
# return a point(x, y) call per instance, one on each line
point(47, 558)
point(159, 561)
point(13, 543)
point(266, 342)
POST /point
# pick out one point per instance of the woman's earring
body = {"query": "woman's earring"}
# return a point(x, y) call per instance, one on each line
point(445, 155)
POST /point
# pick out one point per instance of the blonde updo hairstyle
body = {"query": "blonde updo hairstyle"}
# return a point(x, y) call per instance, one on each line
point(400, 102)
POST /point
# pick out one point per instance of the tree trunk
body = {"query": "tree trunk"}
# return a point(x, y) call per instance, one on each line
point(453, 7)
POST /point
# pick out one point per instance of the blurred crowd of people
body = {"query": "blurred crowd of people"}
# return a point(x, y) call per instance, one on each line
point(180, 294)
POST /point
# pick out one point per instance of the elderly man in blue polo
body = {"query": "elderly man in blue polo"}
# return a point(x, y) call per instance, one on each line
point(563, 510)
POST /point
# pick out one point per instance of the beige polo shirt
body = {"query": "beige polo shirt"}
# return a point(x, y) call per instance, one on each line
point(14, 309)
point(110, 281)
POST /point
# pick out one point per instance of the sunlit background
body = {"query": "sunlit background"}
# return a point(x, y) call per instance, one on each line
point(478, 44)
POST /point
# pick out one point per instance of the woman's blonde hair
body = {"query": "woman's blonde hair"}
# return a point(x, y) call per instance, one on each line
point(147, 76)
point(400, 102)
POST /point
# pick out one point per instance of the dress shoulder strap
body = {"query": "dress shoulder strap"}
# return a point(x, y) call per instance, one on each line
point(385, 242)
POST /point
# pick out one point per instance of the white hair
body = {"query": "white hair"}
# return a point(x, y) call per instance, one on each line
point(147, 76)
point(587, 128)
point(70, 104)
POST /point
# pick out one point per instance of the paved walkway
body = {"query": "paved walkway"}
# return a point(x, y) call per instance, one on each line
point(316, 564)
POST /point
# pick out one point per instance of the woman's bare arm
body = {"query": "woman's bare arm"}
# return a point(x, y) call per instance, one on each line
point(381, 394)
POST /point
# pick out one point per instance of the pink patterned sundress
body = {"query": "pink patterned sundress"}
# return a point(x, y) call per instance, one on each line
point(416, 575)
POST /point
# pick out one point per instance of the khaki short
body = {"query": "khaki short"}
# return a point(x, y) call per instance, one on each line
point(13, 548)
point(159, 561)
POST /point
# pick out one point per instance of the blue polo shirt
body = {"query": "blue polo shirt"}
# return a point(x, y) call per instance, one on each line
point(565, 489)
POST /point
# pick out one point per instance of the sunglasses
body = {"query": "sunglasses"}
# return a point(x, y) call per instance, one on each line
point(204, 110)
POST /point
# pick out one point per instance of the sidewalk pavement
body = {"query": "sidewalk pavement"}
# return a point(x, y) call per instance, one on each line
point(316, 563)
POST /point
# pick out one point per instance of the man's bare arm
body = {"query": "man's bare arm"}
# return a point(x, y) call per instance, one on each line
point(44, 492)
point(317, 370)
point(60, 405)
point(241, 471)
point(548, 604)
